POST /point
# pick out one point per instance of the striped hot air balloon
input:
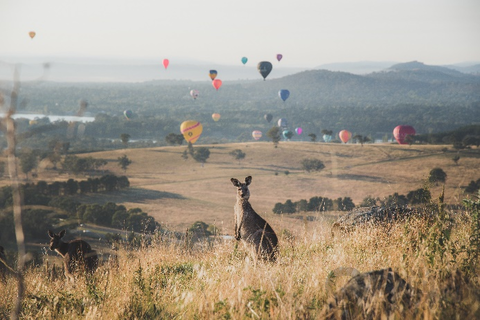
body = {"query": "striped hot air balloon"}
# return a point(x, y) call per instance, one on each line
point(191, 130)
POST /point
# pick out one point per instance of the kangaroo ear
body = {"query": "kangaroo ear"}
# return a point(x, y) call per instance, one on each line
point(51, 234)
point(235, 182)
point(248, 180)
point(62, 233)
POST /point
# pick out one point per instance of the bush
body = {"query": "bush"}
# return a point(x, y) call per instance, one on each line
point(312, 165)
point(437, 175)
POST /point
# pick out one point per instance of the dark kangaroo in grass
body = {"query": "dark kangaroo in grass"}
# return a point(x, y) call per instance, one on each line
point(77, 254)
point(250, 227)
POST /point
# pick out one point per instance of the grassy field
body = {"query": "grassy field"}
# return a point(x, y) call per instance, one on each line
point(220, 280)
point(178, 192)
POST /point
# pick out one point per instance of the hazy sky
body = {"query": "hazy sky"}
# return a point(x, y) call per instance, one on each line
point(307, 32)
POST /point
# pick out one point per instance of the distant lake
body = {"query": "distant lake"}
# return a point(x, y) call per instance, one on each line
point(52, 118)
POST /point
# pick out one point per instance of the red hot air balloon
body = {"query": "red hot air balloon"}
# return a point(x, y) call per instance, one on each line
point(345, 135)
point(401, 132)
point(165, 63)
point(217, 83)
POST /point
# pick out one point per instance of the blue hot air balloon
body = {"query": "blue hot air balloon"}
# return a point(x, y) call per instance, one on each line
point(284, 94)
point(327, 138)
point(244, 60)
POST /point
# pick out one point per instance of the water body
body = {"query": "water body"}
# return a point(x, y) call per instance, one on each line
point(52, 118)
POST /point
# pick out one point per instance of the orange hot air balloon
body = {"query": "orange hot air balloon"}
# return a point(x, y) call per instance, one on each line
point(217, 83)
point(257, 134)
point(32, 34)
point(345, 135)
point(216, 116)
point(165, 63)
point(191, 130)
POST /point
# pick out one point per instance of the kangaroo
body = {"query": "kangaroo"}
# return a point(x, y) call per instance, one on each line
point(250, 227)
point(77, 254)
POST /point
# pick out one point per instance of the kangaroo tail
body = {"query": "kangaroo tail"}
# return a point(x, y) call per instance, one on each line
point(332, 275)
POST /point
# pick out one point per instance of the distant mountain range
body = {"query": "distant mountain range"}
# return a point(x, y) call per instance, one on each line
point(70, 70)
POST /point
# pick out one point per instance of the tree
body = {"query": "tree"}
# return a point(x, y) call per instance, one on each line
point(124, 162)
point(238, 154)
point(437, 175)
point(28, 161)
point(361, 139)
point(125, 137)
point(173, 139)
point(274, 135)
point(455, 159)
point(201, 154)
point(312, 165)
point(313, 137)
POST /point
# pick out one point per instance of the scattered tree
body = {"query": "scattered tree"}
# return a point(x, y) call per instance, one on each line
point(437, 175)
point(455, 159)
point(125, 137)
point(201, 154)
point(312, 165)
point(124, 162)
point(173, 139)
point(274, 135)
point(238, 154)
point(313, 137)
point(28, 162)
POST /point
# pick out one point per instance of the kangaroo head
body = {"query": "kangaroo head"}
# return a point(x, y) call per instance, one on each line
point(242, 188)
point(55, 239)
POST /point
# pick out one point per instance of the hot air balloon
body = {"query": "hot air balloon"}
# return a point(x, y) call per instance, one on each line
point(256, 134)
point(264, 68)
point(217, 83)
point(213, 74)
point(128, 114)
point(165, 63)
point(284, 94)
point(282, 122)
point(32, 34)
point(279, 57)
point(216, 116)
point(244, 60)
point(268, 117)
point(191, 130)
point(287, 134)
point(327, 138)
point(299, 130)
point(345, 135)
point(401, 132)
point(194, 94)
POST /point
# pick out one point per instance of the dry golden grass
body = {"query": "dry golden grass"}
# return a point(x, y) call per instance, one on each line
point(178, 193)
point(220, 281)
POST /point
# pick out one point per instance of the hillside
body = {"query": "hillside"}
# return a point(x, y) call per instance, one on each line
point(178, 192)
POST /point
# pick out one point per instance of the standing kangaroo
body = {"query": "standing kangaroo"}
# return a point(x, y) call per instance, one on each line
point(77, 254)
point(250, 227)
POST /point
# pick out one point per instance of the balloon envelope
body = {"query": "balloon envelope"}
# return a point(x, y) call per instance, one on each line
point(191, 130)
point(279, 57)
point(257, 134)
point(32, 34)
point(282, 122)
point(401, 132)
point(268, 117)
point(213, 74)
point(165, 63)
point(216, 116)
point(287, 134)
point(264, 67)
point(299, 130)
point(345, 135)
point(244, 60)
point(217, 83)
point(327, 138)
point(128, 114)
point(194, 94)
point(284, 94)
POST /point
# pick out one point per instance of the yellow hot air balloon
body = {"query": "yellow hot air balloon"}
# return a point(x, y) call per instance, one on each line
point(216, 116)
point(191, 130)
point(32, 34)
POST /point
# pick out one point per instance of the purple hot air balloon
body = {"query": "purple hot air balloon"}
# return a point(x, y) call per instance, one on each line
point(279, 57)
point(299, 130)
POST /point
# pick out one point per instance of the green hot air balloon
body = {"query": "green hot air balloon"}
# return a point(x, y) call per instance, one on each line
point(264, 68)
